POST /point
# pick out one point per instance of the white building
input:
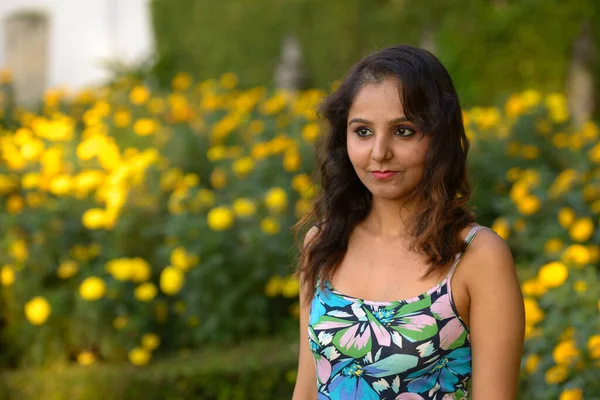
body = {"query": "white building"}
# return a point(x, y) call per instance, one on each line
point(82, 34)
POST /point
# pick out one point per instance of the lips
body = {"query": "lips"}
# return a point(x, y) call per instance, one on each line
point(383, 174)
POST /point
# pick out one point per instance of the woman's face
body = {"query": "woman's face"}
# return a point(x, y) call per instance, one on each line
point(387, 151)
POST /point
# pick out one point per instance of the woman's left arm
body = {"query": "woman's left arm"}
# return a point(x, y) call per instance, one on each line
point(496, 319)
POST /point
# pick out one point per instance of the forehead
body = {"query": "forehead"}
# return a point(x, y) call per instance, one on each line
point(378, 98)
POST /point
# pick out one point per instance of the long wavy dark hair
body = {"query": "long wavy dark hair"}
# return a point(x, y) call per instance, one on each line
point(431, 103)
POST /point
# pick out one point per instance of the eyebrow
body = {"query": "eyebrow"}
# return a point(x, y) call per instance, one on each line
point(364, 121)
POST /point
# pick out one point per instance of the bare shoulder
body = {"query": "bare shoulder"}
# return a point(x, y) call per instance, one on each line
point(490, 265)
point(310, 235)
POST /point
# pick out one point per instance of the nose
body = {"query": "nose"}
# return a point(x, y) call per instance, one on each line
point(381, 148)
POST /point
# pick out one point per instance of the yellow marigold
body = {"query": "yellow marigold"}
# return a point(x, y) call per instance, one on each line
point(533, 313)
point(243, 166)
point(67, 269)
point(532, 363)
point(122, 118)
point(532, 287)
point(86, 358)
point(60, 185)
point(577, 254)
point(7, 275)
point(18, 250)
point(582, 229)
point(553, 245)
point(203, 199)
point(244, 207)
point(530, 152)
point(37, 310)
point(139, 356)
point(180, 258)
point(182, 81)
point(566, 216)
point(303, 207)
point(139, 95)
point(529, 204)
point(291, 161)
point(553, 274)
point(14, 204)
point(94, 218)
point(580, 286)
point(571, 394)
point(502, 227)
point(274, 286)
point(310, 132)
point(276, 199)
point(120, 322)
point(145, 292)
point(145, 127)
point(218, 178)
point(228, 80)
point(556, 374)
point(270, 226)
point(150, 341)
point(92, 288)
point(566, 353)
point(593, 344)
point(171, 280)
point(290, 287)
point(220, 218)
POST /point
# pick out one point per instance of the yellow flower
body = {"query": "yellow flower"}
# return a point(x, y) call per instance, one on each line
point(593, 345)
point(145, 127)
point(290, 287)
point(571, 394)
point(582, 229)
point(566, 353)
point(220, 218)
point(243, 166)
point(577, 254)
point(203, 199)
point(310, 132)
point(553, 274)
point(171, 280)
point(529, 204)
point(139, 356)
point(86, 358)
point(533, 313)
point(276, 199)
point(530, 152)
point(270, 226)
point(67, 269)
point(181, 81)
point(150, 341)
point(145, 292)
point(37, 310)
point(244, 207)
point(92, 288)
point(532, 363)
point(140, 269)
point(14, 204)
point(566, 216)
point(532, 287)
point(18, 250)
point(274, 286)
point(553, 245)
point(580, 286)
point(556, 374)
point(218, 178)
point(291, 160)
point(228, 80)
point(122, 118)
point(94, 218)
point(303, 207)
point(120, 322)
point(181, 259)
point(7, 275)
point(501, 227)
point(256, 127)
point(216, 153)
point(139, 95)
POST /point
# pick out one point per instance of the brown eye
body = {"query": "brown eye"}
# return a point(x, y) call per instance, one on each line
point(362, 132)
point(405, 131)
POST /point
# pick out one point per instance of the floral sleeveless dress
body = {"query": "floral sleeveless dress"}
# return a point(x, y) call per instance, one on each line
point(414, 349)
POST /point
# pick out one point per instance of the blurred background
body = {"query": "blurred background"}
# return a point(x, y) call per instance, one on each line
point(154, 155)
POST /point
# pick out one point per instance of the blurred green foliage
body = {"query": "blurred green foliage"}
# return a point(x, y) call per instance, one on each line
point(491, 48)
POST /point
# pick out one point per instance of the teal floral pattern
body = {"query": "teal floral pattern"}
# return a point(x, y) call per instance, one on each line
point(414, 349)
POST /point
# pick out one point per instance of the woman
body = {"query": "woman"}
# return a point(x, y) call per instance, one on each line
point(385, 311)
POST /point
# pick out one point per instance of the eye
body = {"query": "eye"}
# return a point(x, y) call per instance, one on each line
point(405, 131)
point(362, 132)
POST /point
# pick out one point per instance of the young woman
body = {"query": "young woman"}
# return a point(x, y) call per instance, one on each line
point(393, 306)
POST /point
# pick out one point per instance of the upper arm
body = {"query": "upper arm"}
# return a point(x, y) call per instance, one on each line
point(497, 319)
point(306, 380)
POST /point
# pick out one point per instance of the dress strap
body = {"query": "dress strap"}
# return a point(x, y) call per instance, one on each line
point(469, 239)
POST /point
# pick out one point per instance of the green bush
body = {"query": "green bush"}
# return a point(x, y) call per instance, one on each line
point(258, 369)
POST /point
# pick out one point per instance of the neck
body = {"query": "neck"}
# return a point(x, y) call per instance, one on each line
point(389, 219)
